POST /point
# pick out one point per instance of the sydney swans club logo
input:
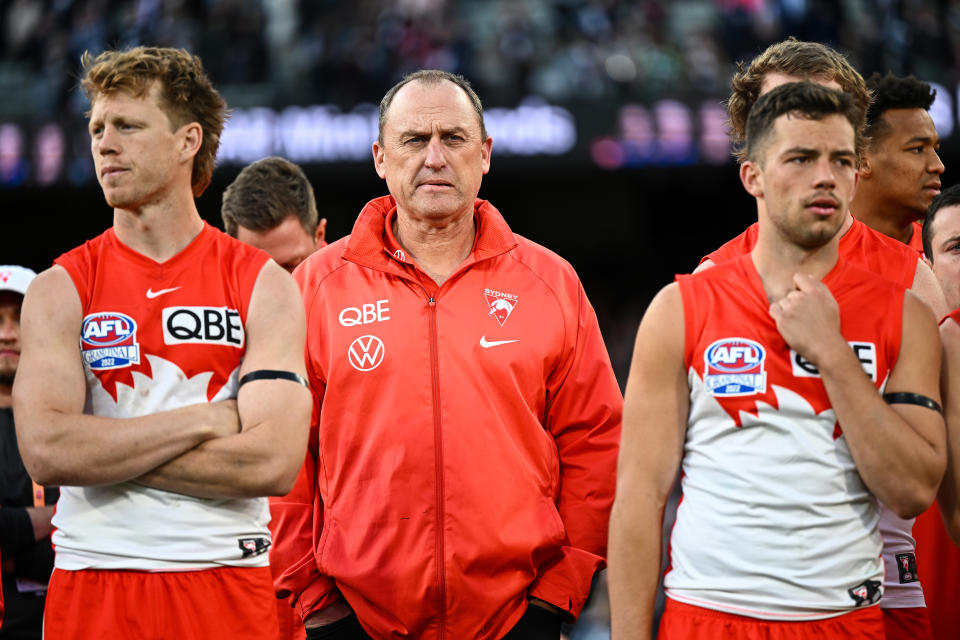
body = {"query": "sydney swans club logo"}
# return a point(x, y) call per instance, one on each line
point(109, 341)
point(734, 367)
point(501, 304)
point(366, 353)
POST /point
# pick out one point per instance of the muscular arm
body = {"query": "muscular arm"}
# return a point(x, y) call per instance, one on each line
point(60, 445)
point(900, 449)
point(949, 495)
point(265, 456)
point(656, 404)
point(926, 287)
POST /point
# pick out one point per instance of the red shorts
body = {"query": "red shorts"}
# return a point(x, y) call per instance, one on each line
point(224, 603)
point(911, 623)
point(685, 622)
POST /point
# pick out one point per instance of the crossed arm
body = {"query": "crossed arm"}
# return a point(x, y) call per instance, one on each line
point(899, 449)
point(248, 447)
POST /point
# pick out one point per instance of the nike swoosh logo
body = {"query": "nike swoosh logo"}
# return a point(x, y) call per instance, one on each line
point(486, 344)
point(153, 294)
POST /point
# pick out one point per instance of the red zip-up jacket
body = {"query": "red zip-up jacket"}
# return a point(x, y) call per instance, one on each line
point(463, 454)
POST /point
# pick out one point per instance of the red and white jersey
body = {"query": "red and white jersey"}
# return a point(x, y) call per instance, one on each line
point(154, 337)
point(775, 522)
point(892, 260)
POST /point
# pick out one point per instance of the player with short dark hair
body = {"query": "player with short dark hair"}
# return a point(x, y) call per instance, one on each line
point(901, 169)
point(270, 205)
point(750, 375)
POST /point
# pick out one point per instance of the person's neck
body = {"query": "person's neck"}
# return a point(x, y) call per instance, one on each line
point(438, 245)
point(159, 231)
point(873, 212)
point(777, 260)
point(6, 396)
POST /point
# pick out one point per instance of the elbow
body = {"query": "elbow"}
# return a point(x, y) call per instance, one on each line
point(42, 467)
point(275, 476)
point(910, 504)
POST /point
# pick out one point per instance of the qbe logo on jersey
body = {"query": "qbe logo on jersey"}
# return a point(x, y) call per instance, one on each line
point(108, 340)
point(203, 325)
point(734, 367)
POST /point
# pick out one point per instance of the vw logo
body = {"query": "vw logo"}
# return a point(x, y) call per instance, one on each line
point(366, 353)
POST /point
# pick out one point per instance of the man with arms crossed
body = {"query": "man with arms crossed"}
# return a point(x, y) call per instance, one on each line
point(462, 467)
point(178, 359)
point(270, 206)
point(742, 375)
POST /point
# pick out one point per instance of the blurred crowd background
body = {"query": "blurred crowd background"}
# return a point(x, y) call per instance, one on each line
point(607, 115)
point(292, 51)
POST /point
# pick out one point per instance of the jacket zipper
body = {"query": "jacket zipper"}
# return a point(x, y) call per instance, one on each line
point(438, 461)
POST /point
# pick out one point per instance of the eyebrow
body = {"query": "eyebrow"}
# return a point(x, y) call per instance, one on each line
point(949, 240)
point(924, 139)
point(815, 152)
point(420, 132)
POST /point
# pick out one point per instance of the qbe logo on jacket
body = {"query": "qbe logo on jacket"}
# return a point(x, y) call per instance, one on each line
point(108, 340)
point(366, 353)
point(202, 325)
point(734, 367)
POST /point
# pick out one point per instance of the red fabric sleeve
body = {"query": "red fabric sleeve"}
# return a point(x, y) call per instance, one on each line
point(584, 416)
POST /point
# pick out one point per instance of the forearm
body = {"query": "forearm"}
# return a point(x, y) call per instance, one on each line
point(249, 464)
point(634, 570)
point(897, 462)
point(59, 448)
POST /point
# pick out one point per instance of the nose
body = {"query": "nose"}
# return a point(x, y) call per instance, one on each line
point(825, 176)
point(936, 165)
point(435, 158)
point(106, 143)
point(9, 329)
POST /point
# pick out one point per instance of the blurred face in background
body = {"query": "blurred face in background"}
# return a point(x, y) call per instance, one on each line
point(945, 246)
point(288, 243)
point(10, 302)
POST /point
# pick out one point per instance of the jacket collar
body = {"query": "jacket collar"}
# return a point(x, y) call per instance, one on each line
point(372, 244)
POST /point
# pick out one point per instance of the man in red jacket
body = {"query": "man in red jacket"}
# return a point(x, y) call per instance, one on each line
point(462, 462)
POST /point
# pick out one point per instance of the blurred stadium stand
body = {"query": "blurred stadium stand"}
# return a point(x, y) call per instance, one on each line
point(607, 115)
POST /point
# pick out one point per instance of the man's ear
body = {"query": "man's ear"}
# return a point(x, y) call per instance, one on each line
point(751, 177)
point(192, 138)
point(866, 169)
point(378, 159)
point(320, 236)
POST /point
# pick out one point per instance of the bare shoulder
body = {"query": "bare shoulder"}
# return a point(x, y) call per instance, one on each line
point(51, 299)
point(927, 289)
point(917, 314)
